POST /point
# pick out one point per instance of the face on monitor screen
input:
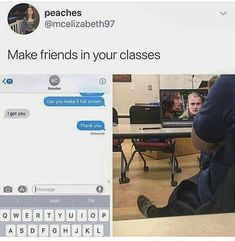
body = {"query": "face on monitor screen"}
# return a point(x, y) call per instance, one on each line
point(181, 104)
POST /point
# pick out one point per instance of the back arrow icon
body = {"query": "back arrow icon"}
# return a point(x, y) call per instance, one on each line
point(4, 81)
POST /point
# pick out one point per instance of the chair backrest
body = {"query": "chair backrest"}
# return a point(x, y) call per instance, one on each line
point(115, 116)
point(145, 114)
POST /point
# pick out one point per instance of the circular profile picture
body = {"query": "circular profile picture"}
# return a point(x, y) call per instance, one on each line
point(23, 18)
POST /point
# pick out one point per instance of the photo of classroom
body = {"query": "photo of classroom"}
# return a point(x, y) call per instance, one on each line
point(153, 151)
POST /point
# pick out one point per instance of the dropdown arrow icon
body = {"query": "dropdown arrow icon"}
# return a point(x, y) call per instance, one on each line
point(223, 12)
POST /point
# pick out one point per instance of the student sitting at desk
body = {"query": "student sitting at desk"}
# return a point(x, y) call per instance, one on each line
point(213, 126)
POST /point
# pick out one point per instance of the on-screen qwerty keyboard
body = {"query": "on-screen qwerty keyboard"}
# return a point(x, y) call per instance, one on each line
point(55, 220)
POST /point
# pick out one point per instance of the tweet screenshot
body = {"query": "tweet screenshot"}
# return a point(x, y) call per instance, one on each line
point(117, 118)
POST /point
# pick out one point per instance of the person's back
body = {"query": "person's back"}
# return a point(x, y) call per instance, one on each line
point(214, 122)
point(224, 198)
point(213, 129)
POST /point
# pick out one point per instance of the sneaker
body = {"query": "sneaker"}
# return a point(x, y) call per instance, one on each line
point(144, 204)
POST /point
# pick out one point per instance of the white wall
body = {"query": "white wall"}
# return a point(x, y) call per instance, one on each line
point(127, 94)
point(182, 81)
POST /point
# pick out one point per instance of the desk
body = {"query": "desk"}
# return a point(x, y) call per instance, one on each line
point(197, 225)
point(131, 131)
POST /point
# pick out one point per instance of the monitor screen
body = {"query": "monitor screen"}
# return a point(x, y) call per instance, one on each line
point(145, 114)
point(181, 104)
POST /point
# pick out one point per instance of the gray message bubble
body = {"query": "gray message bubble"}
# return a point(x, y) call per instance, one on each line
point(16, 113)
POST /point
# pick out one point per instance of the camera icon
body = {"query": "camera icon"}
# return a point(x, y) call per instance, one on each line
point(7, 189)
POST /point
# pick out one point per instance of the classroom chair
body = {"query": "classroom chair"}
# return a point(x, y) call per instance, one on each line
point(117, 147)
point(151, 115)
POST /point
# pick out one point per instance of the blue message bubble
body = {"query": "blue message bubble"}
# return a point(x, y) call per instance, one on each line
point(66, 101)
point(88, 125)
point(91, 94)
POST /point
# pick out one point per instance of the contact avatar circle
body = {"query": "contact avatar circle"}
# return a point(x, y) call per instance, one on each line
point(23, 18)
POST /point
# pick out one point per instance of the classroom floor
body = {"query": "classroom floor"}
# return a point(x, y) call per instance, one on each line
point(155, 183)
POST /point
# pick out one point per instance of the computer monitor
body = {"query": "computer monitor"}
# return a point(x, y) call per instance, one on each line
point(145, 114)
point(181, 104)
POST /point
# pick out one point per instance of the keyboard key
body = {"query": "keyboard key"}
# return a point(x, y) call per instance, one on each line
point(15, 215)
point(38, 215)
point(87, 230)
point(4, 215)
point(43, 230)
point(76, 230)
point(54, 230)
point(32, 230)
point(92, 215)
point(81, 215)
point(65, 230)
point(98, 230)
point(26, 215)
point(21, 230)
point(103, 215)
point(10, 230)
point(59, 215)
point(71, 215)
point(48, 215)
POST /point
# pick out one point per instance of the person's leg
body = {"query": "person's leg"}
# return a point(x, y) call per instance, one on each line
point(144, 204)
point(149, 210)
point(183, 200)
point(154, 212)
